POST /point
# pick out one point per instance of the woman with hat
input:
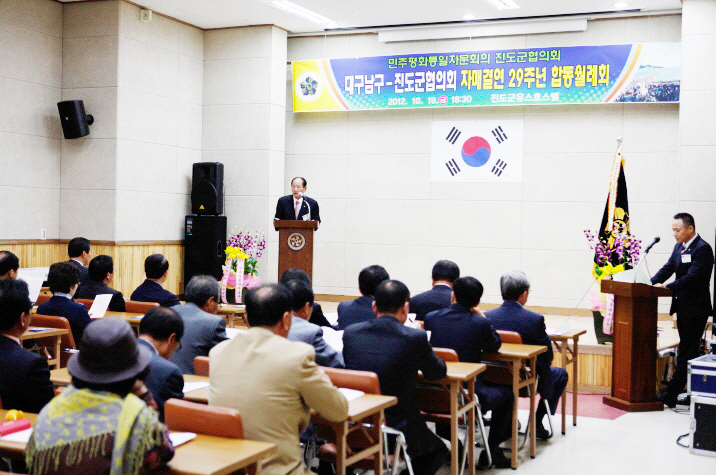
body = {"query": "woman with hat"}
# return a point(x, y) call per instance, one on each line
point(99, 424)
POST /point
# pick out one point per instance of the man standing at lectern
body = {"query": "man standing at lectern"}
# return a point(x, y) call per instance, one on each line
point(297, 206)
point(692, 261)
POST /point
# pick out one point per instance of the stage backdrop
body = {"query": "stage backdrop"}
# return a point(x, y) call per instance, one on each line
point(641, 72)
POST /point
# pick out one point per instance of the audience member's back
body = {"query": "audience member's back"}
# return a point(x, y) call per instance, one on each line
point(444, 274)
point(63, 279)
point(360, 309)
point(156, 268)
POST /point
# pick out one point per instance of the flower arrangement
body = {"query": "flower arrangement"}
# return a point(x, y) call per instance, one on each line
point(252, 245)
point(240, 270)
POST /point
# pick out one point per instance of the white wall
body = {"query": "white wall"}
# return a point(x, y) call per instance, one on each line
point(30, 87)
point(370, 172)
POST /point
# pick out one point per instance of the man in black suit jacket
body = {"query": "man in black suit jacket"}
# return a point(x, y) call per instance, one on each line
point(63, 279)
point(396, 353)
point(294, 273)
point(298, 206)
point(444, 274)
point(156, 268)
point(361, 309)
point(460, 327)
point(24, 378)
point(512, 316)
point(79, 251)
point(692, 261)
point(9, 264)
point(161, 331)
point(101, 274)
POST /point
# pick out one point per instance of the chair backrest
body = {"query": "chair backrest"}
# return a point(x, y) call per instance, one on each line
point(132, 306)
point(189, 416)
point(509, 336)
point(86, 302)
point(66, 341)
point(42, 298)
point(366, 381)
point(201, 365)
point(446, 354)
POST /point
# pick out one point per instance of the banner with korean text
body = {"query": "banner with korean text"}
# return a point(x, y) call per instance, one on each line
point(645, 72)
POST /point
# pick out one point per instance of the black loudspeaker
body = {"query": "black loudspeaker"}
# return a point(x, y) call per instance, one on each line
point(75, 123)
point(207, 188)
point(204, 244)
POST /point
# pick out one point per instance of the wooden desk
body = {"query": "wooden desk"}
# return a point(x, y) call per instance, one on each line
point(132, 318)
point(523, 375)
point(235, 315)
point(41, 332)
point(570, 355)
point(458, 376)
point(368, 408)
point(205, 455)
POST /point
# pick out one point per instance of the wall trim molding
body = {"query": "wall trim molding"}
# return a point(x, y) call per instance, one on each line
point(92, 242)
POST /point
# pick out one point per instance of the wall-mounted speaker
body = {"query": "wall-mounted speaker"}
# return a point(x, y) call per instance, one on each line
point(207, 188)
point(75, 122)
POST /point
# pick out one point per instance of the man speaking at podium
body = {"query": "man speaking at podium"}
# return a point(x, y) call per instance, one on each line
point(297, 206)
point(692, 261)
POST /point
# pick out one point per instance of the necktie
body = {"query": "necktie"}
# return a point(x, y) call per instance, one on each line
point(683, 249)
point(297, 208)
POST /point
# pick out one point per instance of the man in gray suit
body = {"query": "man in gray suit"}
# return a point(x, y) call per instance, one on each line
point(307, 332)
point(203, 329)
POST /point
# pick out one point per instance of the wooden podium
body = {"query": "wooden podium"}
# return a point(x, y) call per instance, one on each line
point(634, 350)
point(295, 245)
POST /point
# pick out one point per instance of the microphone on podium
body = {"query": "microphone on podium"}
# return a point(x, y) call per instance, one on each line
point(656, 239)
point(300, 193)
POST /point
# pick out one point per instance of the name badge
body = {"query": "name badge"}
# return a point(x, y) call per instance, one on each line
point(686, 259)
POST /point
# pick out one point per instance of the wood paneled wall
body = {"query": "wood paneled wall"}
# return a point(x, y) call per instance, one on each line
point(128, 259)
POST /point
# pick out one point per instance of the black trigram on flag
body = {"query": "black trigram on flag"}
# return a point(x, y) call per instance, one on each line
point(453, 135)
point(452, 166)
point(499, 167)
point(499, 134)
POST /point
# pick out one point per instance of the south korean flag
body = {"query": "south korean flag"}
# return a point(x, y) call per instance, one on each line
point(477, 151)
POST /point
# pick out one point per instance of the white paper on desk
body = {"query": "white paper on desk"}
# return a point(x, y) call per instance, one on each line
point(553, 331)
point(334, 338)
point(179, 438)
point(190, 386)
point(99, 306)
point(34, 276)
point(23, 436)
point(562, 330)
point(232, 332)
point(350, 394)
point(332, 318)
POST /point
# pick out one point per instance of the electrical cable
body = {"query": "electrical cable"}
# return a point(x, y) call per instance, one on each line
point(678, 441)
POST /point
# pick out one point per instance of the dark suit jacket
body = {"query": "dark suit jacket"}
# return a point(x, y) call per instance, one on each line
point(74, 312)
point(150, 291)
point(355, 311)
point(690, 288)
point(284, 208)
point(165, 380)
point(84, 272)
point(396, 353)
point(91, 289)
point(465, 332)
point(24, 378)
point(434, 299)
point(514, 317)
point(317, 316)
point(307, 332)
point(202, 331)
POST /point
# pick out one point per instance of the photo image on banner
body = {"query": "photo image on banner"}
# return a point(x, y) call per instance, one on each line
point(477, 151)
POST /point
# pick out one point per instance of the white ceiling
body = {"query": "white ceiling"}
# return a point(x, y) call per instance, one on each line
point(378, 13)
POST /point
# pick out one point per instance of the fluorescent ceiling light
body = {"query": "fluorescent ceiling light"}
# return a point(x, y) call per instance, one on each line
point(304, 13)
point(503, 4)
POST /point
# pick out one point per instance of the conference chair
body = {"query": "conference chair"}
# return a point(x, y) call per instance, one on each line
point(132, 306)
point(86, 302)
point(500, 374)
point(433, 400)
point(67, 341)
point(42, 298)
point(367, 382)
point(201, 365)
point(186, 416)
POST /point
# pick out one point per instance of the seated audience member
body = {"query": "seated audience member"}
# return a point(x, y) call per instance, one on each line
point(444, 274)
point(272, 381)
point(512, 316)
point(203, 329)
point(303, 330)
point(101, 274)
point(396, 353)
point(361, 309)
point(161, 330)
point(24, 378)
point(317, 316)
point(9, 264)
point(63, 280)
point(101, 423)
point(156, 268)
point(79, 251)
point(460, 328)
